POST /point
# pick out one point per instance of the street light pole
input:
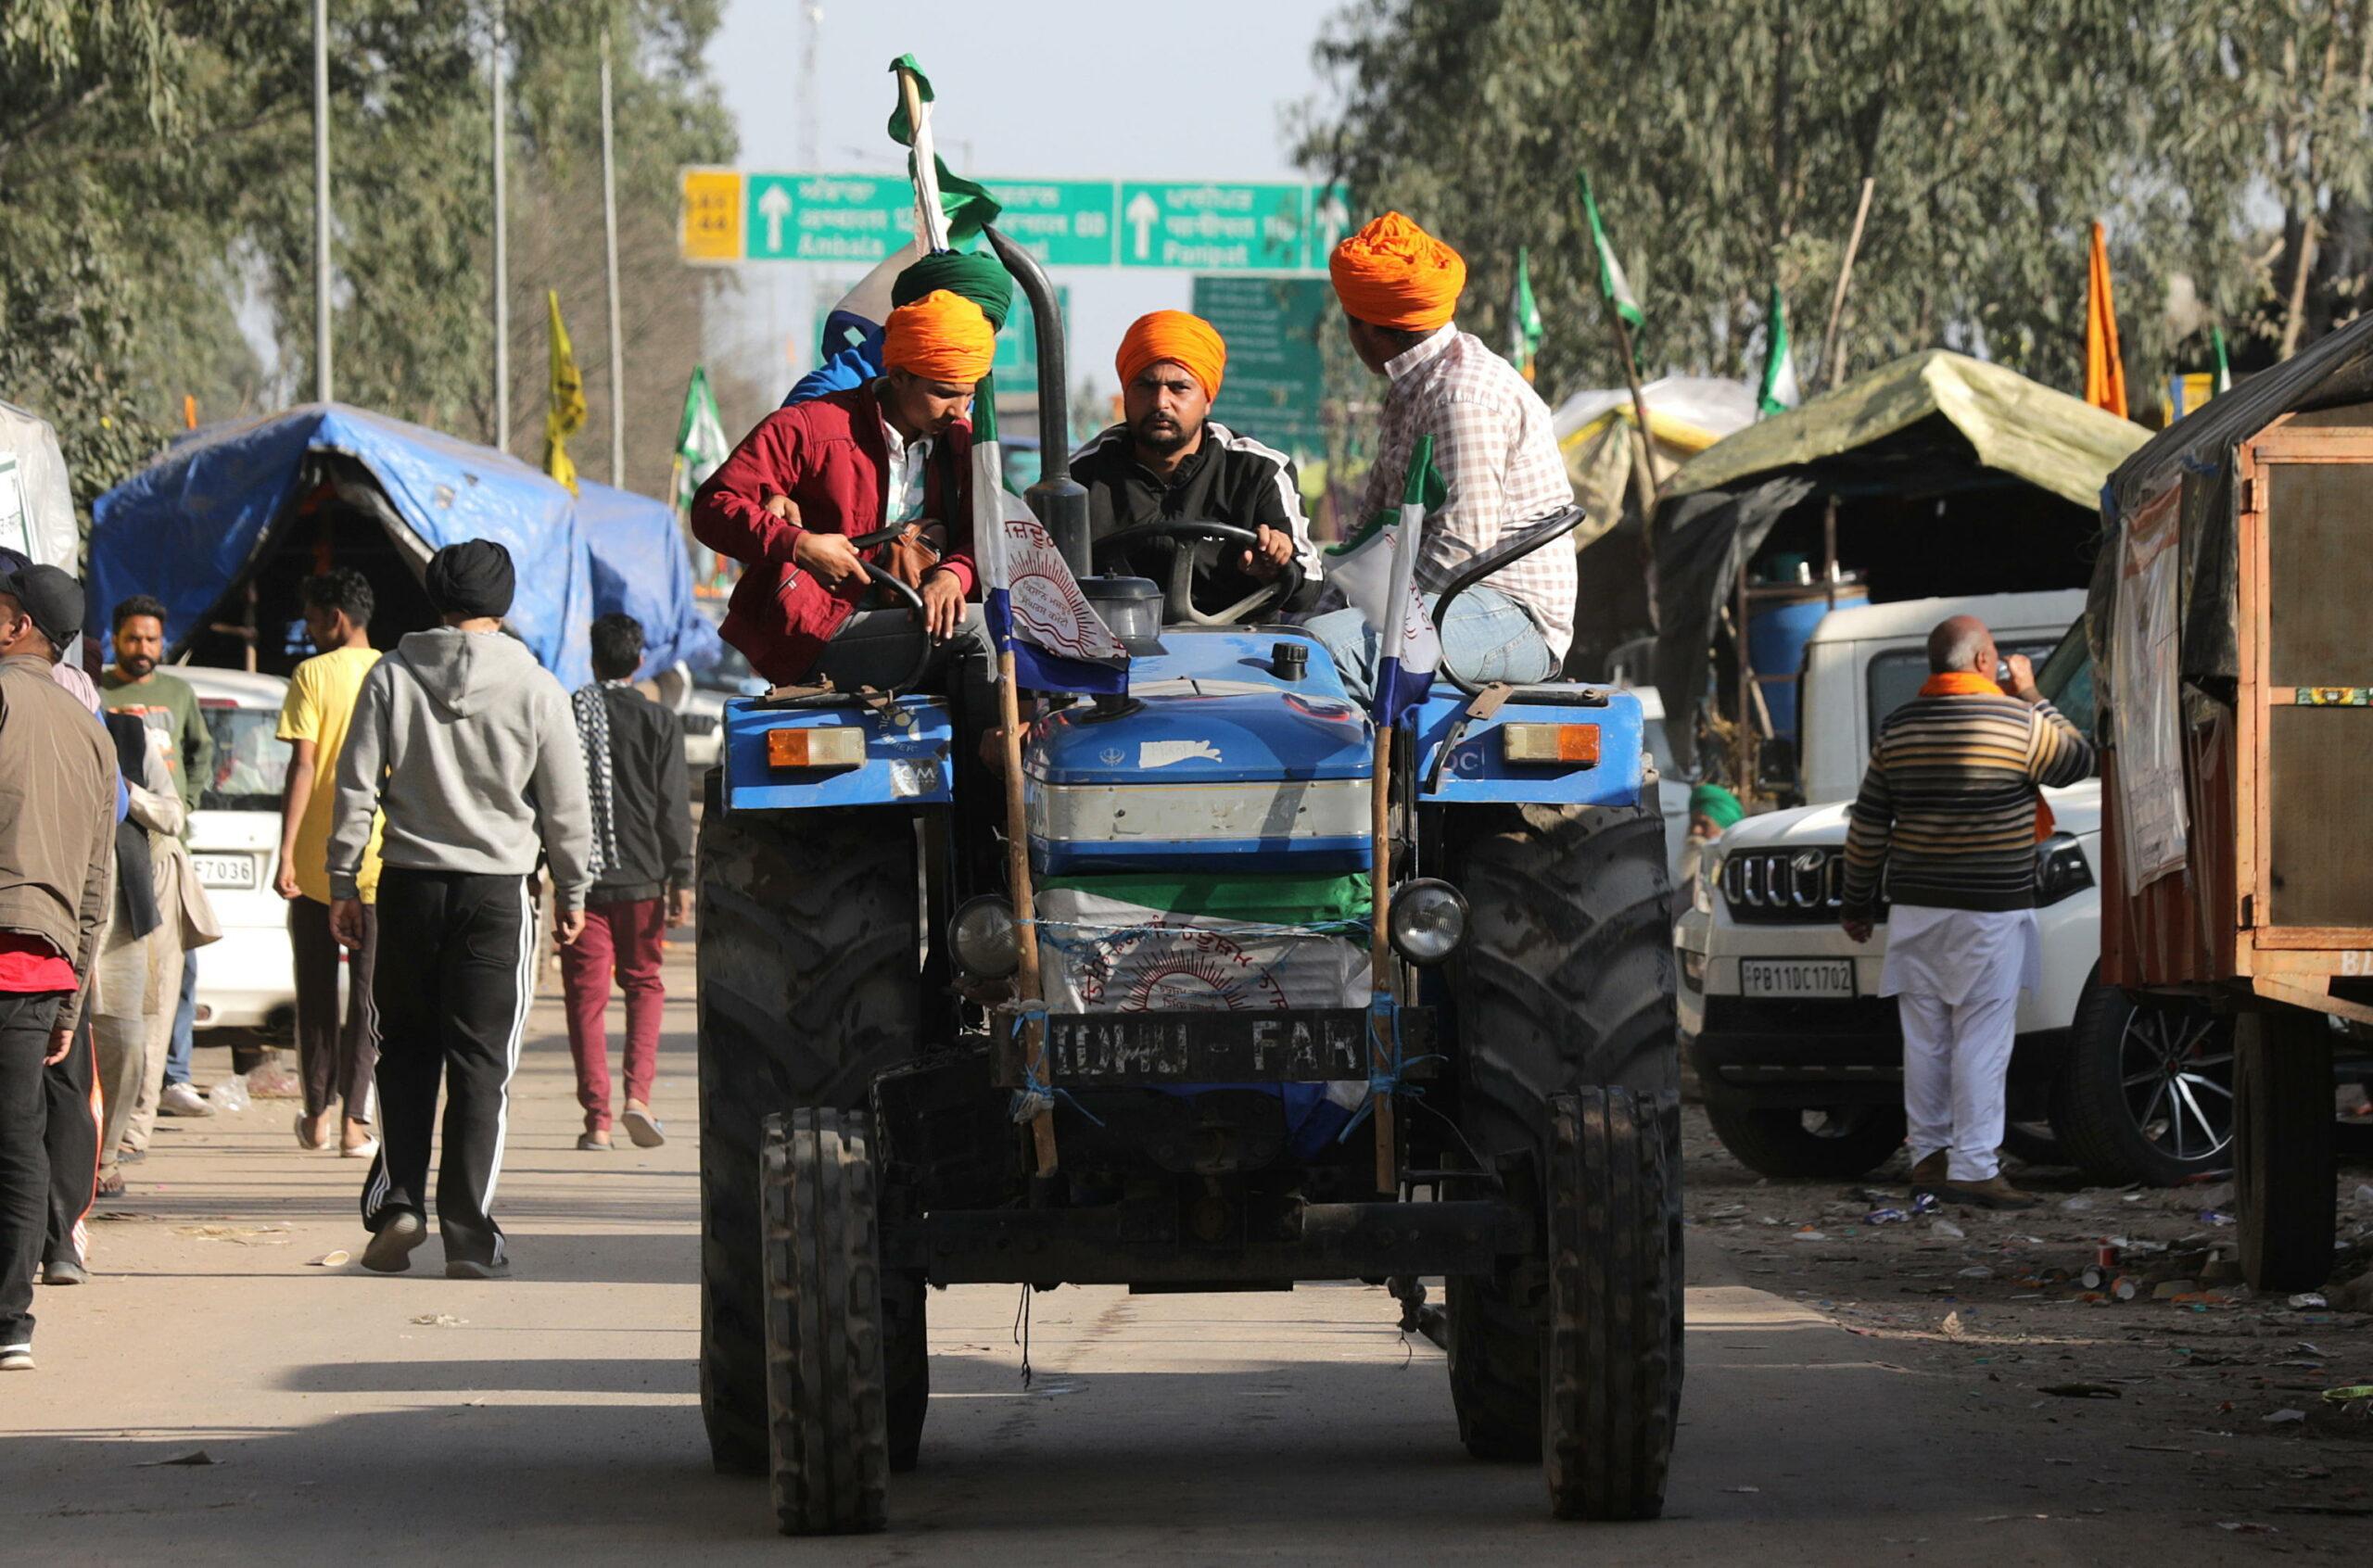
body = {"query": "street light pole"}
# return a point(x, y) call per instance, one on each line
point(610, 235)
point(322, 200)
point(502, 256)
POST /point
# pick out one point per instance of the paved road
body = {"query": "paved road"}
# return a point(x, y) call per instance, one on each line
point(554, 1417)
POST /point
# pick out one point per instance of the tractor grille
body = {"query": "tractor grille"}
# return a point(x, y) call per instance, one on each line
point(1785, 886)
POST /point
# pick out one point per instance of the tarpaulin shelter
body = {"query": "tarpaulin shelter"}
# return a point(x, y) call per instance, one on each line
point(643, 568)
point(1686, 415)
point(2227, 623)
point(226, 526)
point(1934, 474)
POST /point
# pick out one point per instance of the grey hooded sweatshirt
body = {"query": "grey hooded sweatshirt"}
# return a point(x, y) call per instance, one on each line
point(467, 745)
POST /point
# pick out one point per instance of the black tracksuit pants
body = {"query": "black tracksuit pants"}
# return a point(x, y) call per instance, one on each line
point(456, 956)
point(25, 1019)
point(72, 1134)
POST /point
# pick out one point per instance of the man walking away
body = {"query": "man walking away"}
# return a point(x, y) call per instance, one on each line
point(136, 686)
point(642, 841)
point(336, 1058)
point(57, 860)
point(1949, 812)
point(466, 745)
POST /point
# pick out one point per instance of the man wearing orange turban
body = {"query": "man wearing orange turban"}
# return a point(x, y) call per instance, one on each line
point(1170, 461)
point(1493, 445)
point(894, 450)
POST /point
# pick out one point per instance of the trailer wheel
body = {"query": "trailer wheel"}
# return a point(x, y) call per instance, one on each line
point(826, 1401)
point(2283, 1140)
point(808, 928)
point(1613, 1379)
point(1566, 981)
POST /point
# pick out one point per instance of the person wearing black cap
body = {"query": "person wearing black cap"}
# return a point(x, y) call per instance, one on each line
point(56, 867)
point(468, 748)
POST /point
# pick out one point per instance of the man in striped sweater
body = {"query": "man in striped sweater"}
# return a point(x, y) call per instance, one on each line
point(1949, 815)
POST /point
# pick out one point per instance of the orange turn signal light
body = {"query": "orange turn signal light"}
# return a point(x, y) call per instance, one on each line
point(1573, 744)
point(840, 747)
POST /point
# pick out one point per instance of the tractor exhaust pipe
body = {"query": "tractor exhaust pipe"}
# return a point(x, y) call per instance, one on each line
point(1057, 500)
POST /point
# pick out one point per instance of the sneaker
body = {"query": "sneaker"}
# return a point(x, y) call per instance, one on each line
point(644, 1128)
point(467, 1269)
point(367, 1149)
point(64, 1271)
point(16, 1359)
point(390, 1250)
point(183, 1099)
point(1995, 1192)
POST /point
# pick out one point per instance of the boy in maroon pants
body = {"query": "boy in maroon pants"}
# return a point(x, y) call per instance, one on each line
point(642, 852)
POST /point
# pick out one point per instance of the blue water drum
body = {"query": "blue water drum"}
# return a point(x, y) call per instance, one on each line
point(1777, 631)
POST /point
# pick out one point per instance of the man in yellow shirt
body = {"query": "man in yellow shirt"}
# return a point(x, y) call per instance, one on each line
point(336, 1058)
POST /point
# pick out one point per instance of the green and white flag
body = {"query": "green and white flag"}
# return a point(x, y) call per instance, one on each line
point(950, 210)
point(1779, 393)
point(700, 442)
point(2223, 382)
point(1523, 317)
point(1612, 285)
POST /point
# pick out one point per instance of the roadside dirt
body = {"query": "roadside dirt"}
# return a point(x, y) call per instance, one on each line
point(2197, 1399)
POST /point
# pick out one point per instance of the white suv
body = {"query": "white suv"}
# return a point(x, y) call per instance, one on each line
point(1801, 1061)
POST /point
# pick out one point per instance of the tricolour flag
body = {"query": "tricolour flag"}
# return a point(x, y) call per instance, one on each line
point(1034, 607)
point(2104, 366)
point(1524, 331)
point(1779, 392)
point(1376, 570)
point(701, 445)
point(564, 416)
point(2224, 368)
point(950, 210)
point(1613, 285)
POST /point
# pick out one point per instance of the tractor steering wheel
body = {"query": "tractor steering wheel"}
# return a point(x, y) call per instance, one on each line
point(1178, 598)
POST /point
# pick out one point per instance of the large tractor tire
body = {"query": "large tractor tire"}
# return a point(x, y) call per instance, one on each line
point(1613, 1392)
point(1836, 1143)
point(1565, 982)
point(808, 926)
point(827, 1375)
point(2283, 1148)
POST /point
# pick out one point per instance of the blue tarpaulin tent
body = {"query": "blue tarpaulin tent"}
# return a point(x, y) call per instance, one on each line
point(206, 523)
point(642, 568)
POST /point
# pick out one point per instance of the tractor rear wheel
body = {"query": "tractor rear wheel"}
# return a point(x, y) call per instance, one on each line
point(2283, 1138)
point(1565, 982)
point(827, 1398)
point(808, 927)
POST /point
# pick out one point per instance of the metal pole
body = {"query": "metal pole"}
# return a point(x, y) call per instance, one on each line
point(322, 383)
point(502, 255)
point(609, 236)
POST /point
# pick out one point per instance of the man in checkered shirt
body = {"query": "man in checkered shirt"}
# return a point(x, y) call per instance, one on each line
point(1492, 444)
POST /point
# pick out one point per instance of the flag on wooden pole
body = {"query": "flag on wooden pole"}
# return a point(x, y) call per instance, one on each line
point(2104, 366)
point(1375, 570)
point(950, 210)
point(1524, 319)
point(701, 445)
point(564, 416)
point(1780, 392)
point(1613, 287)
point(1033, 605)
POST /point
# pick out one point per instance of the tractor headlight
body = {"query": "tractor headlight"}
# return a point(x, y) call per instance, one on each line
point(2061, 868)
point(1428, 920)
point(983, 936)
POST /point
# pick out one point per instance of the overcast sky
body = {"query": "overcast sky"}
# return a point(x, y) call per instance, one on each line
point(1049, 88)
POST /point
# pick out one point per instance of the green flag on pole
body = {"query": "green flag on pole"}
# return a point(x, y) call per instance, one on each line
point(966, 206)
point(700, 442)
point(1523, 317)
point(2223, 382)
point(1779, 393)
point(1612, 285)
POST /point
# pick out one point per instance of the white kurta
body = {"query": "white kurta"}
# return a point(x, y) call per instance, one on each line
point(1956, 975)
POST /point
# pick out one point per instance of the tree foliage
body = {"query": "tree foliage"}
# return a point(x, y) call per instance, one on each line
point(1727, 141)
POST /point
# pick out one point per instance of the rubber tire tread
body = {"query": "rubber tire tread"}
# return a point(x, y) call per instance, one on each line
point(2088, 1104)
point(1772, 1141)
point(905, 1356)
point(1566, 979)
point(1612, 1396)
point(807, 916)
point(2283, 1148)
point(827, 1405)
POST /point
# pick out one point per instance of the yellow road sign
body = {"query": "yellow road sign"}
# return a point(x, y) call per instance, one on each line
point(712, 217)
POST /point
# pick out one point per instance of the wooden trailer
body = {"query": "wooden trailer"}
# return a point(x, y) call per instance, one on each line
point(2231, 620)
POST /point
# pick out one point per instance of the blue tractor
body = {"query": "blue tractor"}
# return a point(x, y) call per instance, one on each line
point(1123, 1021)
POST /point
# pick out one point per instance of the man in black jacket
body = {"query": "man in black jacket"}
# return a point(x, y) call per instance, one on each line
point(642, 844)
point(1170, 461)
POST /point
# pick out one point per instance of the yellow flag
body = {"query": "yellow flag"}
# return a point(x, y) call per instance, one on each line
point(2104, 366)
point(567, 415)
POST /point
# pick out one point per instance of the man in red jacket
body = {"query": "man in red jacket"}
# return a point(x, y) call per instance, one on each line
point(895, 451)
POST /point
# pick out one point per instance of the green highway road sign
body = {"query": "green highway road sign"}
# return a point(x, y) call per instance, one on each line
point(1275, 373)
point(1275, 226)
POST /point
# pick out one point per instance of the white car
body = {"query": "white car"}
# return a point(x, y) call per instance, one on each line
point(1801, 1061)
point(246, 982)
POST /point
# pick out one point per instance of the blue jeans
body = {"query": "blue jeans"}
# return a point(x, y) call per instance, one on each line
point(1487, 638)
point(186, 1020)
